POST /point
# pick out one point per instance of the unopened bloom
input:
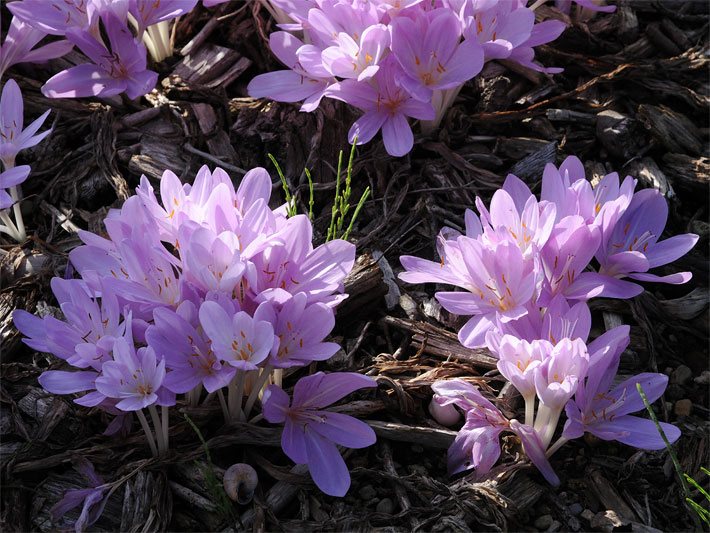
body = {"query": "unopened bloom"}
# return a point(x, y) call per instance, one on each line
point(13, 137)
point(310, 434)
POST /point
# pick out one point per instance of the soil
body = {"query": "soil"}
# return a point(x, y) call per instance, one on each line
point(634, 98)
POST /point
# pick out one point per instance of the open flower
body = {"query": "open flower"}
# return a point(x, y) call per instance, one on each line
point(20, 40)
point(118, 66)
point(13, 137)
point(310, 434)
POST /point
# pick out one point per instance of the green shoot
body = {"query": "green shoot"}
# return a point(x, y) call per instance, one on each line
point(310, 194)
point(674, 458)
point(702, 512)
point(290, 200)
point(341, 203)
point(214, 487)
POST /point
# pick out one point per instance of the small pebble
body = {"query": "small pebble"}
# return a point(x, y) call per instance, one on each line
point(587, 514)
point(574, 524)
point(543, 522)
point(683, 407)
point(555, 526)
point(367, 492)
point(385, 506)
point(575, 509)
point(704, 378)
point(681, 375)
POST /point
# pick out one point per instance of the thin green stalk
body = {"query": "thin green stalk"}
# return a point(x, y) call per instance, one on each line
point(310, 194)
point(334, 210)
point(290, 202)
point(363, 199)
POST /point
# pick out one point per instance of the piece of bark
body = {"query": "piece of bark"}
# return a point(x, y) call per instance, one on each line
point(648, 173)
point(619, 134)
point(216, 138)
point(206, 65)
point(608, 495)
point(688, 172)
point(365, 288)
point(424, 436)
point(441, 343)
point(674, 130)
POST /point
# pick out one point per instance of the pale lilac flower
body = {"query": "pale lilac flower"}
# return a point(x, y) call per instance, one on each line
point(431, 53)
point(499, 28)
point(89, 328)
point(237, 339)
point(535, 448)
point(310, 434)
point(177, 337)
point(603, 411)
point(13, 138)
point(92, 499)
point(542, 33)
point(11, 178)
point(56, 17)
point(332, 17)
point(630, 248)
point(477, 444)
point(294, 84)
point(149, 12)
point(211, 262)
point(556, 380)
point(119, 68)
point(134, 377)
point(357, 59)
point(300, 329)
point(518, 361)
point(20, 41)
point(499, 282)
point(387, 106)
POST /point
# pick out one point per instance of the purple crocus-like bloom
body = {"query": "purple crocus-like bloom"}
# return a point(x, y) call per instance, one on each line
point(357, 59)
point(387, 105)
point(564, 365)
point(56, 17)
point(603, 410)
point(499, 282)
point(186, 349)
point(542, 33)
point(300, 329)
point(518, 361)
point(20, 41)
point(90, 327)
point(310, 434)
point(477, 444)
point(11, 178)
point(91, 499)
point(149, 12)
point(431, 53)
point(631, 247)
point(499, 29)
point(13, 138)
point(291, 85)
point(116, 68)
point(134, 377)
point(237, 339)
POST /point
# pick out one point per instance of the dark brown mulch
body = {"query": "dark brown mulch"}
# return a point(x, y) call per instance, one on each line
point(633, 98)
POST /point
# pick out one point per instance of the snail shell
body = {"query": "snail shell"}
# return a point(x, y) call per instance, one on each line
point(240, 481)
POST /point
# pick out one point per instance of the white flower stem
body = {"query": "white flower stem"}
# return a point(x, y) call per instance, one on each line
point(147, 431)
point(17, 196)
point(223, 404)
point(556, 446)
point(256, 389)
point(546, 423)
point(12, 232)
point(536, 5)
point(529, 409)
point(157, 424)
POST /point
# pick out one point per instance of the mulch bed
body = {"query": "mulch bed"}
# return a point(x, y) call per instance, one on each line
point(633, 98)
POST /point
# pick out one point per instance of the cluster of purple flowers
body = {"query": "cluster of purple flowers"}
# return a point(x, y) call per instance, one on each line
point(113, 34)
point(396, 60)
point(13, 139)
point(207, 288)
point(527, 268)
